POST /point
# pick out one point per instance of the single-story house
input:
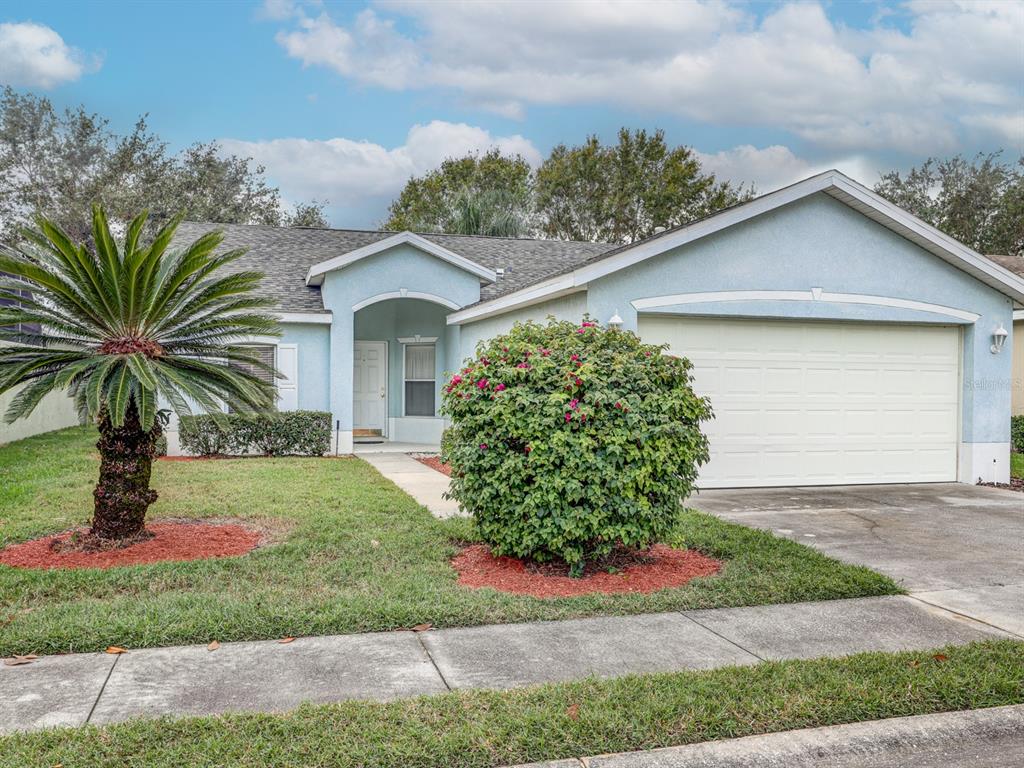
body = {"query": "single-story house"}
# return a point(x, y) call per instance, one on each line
point(839, 338)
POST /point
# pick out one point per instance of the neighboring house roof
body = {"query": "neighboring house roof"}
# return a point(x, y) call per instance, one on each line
point(1013, 263)
point(832, 183)
point(287, 254)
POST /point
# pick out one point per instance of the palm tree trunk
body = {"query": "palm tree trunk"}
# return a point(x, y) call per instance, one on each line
point(123, 495)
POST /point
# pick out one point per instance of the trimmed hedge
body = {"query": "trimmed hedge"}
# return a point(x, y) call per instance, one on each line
point(1017, 433)
point(305, 433)
point(569, 441)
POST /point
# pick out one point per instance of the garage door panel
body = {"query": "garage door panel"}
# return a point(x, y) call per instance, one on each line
point(820, 402)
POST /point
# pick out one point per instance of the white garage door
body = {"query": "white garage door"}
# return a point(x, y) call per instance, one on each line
point(821, 403)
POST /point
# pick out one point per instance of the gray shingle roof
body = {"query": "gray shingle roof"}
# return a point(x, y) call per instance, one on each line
point(285, 255)
point(1013, 263)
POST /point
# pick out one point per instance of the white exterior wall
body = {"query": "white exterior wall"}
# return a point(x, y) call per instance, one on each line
point(56, 411)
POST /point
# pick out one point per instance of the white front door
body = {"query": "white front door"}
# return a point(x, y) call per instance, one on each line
point(370, 388)
point(821, 403)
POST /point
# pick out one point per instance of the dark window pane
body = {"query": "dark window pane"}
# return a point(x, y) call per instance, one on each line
point(265, 355)
point(419, 398)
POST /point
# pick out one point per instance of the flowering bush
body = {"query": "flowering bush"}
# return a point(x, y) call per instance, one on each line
point(570, 440)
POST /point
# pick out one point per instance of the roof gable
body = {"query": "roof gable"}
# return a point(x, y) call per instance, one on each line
point(832, 183)
point(315, 275)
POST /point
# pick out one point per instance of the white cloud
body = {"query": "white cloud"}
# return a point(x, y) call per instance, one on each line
point(35, 56)
point(794, 69)
point(359, 178)
point(776, 166)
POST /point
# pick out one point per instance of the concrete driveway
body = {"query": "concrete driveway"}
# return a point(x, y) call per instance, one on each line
point(960, 547)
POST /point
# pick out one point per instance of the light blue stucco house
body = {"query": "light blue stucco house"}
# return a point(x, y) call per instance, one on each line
point(840, 339)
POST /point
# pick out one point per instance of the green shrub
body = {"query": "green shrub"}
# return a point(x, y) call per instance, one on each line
point(569, 440)
point(306, 433)
point(160, 448)
point(1017, 433)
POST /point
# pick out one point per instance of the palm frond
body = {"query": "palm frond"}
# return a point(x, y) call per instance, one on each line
point(130, 324)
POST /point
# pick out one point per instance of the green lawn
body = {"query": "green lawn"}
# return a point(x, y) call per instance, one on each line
point(354, 554)
point(481, 728)
point(1017, 464)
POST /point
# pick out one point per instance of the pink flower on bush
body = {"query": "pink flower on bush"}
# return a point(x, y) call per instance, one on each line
point(544, 352)
point(456, 379)
point(579, 382)
point(587, 324)
point(483, 446)
point(574, 403)
point(482, 384)
point(574, 357)
point(568, 417)
point(499, 387)
point(523, 365)
point(618, 404)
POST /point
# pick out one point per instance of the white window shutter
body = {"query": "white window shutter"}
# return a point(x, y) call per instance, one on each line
point(288, 387)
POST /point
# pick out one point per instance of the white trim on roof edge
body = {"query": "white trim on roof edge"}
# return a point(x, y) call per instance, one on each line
point(833, 183)
point(815, 294)
point(405, 294)
point(318, 318)
point(1018, 314)
point(317, 271)
point(534, 294)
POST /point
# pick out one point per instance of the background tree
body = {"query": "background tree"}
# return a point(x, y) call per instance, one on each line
point(623, 192)
point(121, 327)
point(491, 212)
point(492, 184)
point(979, 202)
point(58, 164)
point(307, 215)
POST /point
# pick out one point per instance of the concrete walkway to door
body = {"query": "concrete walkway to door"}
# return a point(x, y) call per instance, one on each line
point(424, 484)
point(960, 547)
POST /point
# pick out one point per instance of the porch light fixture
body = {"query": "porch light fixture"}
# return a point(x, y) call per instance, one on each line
point(998, 339)
point(615, 321)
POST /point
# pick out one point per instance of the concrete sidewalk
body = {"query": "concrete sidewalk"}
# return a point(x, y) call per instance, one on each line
point(270, 676)
point(424, 484)
point(983, 738)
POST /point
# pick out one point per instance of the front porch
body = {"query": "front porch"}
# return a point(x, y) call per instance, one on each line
point(400, 353)
point(362, 446)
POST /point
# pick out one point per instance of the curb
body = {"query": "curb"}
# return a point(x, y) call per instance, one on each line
point(989, 738)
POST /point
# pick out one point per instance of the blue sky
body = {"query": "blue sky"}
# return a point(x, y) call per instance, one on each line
point(343, 101)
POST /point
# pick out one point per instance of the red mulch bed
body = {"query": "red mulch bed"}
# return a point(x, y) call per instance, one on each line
point(434, 462)
point(169, 541)
point(660, 567)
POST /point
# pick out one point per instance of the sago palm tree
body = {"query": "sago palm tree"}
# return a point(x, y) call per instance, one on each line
point(123, 327)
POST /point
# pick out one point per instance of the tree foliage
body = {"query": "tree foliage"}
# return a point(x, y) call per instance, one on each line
point(58, 164)
point(616, 193)
point(307, 215)
point(980, 202)
point(623, 192)
point(569, 440)
point(484, 191)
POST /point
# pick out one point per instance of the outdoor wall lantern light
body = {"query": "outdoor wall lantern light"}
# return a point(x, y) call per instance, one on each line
point(998, 338)
point(615, 321)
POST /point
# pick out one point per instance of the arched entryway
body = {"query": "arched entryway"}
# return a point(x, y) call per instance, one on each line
point(402, 348)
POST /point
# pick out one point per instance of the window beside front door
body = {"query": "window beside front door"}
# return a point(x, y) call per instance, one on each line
point(420, 382)
point(265, 353)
